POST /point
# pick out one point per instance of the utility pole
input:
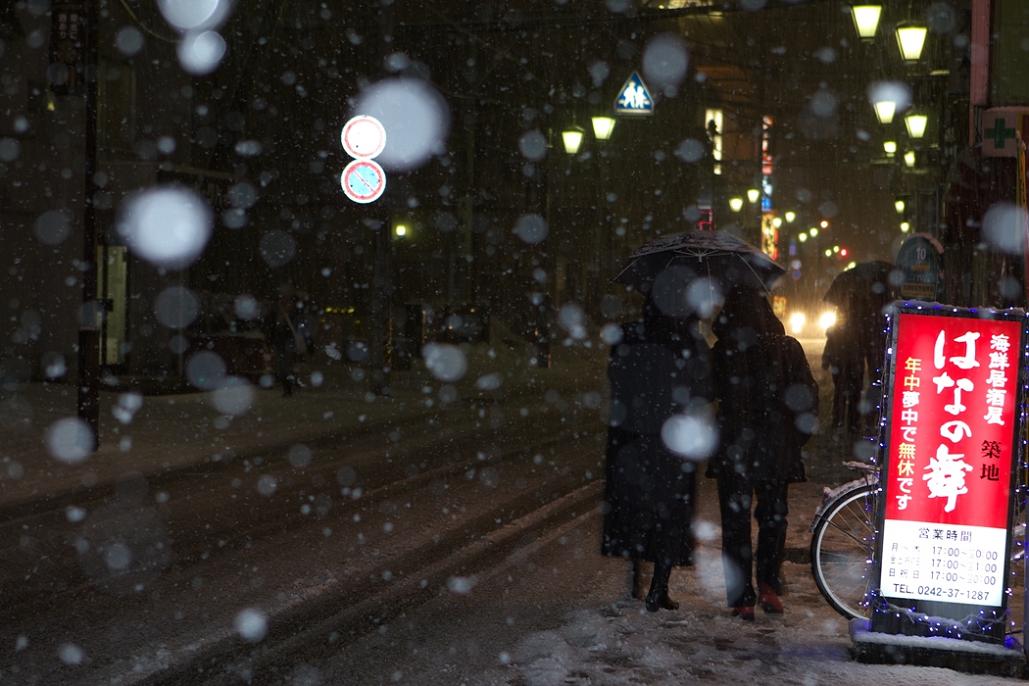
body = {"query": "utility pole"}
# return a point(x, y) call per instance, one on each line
point(73, 66)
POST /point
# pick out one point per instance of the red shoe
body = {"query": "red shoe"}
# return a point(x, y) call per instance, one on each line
point(769, 600)
point(744, 612)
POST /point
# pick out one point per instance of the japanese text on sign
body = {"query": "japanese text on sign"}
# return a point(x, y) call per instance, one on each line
point(950, 458)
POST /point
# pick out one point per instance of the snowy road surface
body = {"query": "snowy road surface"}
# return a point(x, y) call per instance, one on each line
point(557, 614)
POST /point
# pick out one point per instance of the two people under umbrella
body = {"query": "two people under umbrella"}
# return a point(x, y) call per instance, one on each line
point(662, 371)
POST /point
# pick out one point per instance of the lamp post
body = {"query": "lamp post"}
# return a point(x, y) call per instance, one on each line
point(890, 148)
point(884, 110)
point(916, 124)
point(911, 41)
point(572, 139)
point(735, 203)
point(603, 127)
point(866, 19)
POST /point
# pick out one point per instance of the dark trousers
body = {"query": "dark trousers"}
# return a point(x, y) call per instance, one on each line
point(846, 395)
point(736, 495)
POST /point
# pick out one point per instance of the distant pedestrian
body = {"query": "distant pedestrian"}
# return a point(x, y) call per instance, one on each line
point(844, 359)
point(285, 341)
point(660, 367)
point(767, 411)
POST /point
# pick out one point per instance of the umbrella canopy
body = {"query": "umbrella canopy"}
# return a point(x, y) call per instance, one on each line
point(868, 282)
point(716, 255)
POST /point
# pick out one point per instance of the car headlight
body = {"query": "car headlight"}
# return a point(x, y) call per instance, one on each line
point(826, 319)
point(797, 321)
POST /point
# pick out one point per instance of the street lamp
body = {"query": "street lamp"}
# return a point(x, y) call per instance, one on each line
point(790, 216)
point(736, 203)
point(890, 147)
point(915, 124)
point(603, 127)
point(572, 139)
point(753, 195)
point(905, 227)
point(400, 230)
point(911, 41)
point(813, 231)
point(899, 205)
point(824, 223)
point(909, 158)
point(884, 110)
point(802, 238)
point(866, 20)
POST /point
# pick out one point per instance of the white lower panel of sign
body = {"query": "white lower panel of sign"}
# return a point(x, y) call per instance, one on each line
point(943, 562)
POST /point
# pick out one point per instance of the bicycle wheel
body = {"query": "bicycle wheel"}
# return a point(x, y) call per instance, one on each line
point(841, 551)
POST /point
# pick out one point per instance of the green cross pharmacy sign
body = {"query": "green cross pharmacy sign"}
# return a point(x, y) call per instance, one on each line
point(1002, 127)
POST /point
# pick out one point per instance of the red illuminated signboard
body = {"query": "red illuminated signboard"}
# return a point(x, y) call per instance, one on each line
point(952, 400)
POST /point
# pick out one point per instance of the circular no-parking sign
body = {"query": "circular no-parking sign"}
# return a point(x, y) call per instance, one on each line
point(363, 137)
point(363, 181)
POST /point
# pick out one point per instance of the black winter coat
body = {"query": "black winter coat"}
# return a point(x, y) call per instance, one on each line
point(650, 490)
point(768, 405)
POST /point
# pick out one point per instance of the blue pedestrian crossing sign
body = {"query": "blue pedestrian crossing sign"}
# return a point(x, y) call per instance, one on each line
point(634, 97)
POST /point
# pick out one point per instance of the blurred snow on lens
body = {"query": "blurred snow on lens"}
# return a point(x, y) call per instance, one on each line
point(533, 145)
point(128, 405)
point(1008, 287)
point(10, 148)
point(242, 195)
point(445, 361)
point(618, 5)
point(53, 226)
point(166, 144)
point(572, 319)
point(167, 226)
point(176, 307)
point(690, 150)
point(70, 440)
point(234, 218)
point(54, 366)
point(798, 398)
point(246, 307)
point(191, 15)
point(128, 40)
point(611, 334)
point(823, 103)
point(829, 209)
point(248, 148)
point(300, 455)
point(531, 228)
point(266, 485)
point(117, 556)
point(1004, 227)
point(461, 584)
point(357, 351)
point(234, 396)
point(489, 382)
point(665, 60)
point(277, 248)
point(74, 514)
point(704, 296)
point(705, 531)
point(599, 71)
point(206, 370)
point(201, 52)
point(826, 55)
point(670, 288)
point(942, 18)
point(753, 5)
point(896, 91)
point(251, 624)
point(71, 654)
point(414, 115)
point(692, 437)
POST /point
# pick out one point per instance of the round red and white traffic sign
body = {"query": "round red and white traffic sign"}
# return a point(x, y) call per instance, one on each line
point(363, 181)
point(363, 137)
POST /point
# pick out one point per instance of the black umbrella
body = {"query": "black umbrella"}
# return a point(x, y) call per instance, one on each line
point(717, 255)
point(867, 281)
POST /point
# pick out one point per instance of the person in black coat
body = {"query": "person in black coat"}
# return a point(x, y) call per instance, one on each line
point(660, 368)
point(767, 410)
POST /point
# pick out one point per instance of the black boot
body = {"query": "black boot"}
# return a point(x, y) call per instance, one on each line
point(636, 580)
point(658, 598)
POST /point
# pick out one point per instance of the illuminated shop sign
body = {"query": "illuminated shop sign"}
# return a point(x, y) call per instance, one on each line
point(952, 401)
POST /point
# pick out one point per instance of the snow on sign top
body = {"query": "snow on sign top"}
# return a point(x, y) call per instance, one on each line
point(634, 97)
point(363, 137)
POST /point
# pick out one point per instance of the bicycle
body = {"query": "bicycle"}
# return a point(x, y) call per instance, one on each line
point(843, 542)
